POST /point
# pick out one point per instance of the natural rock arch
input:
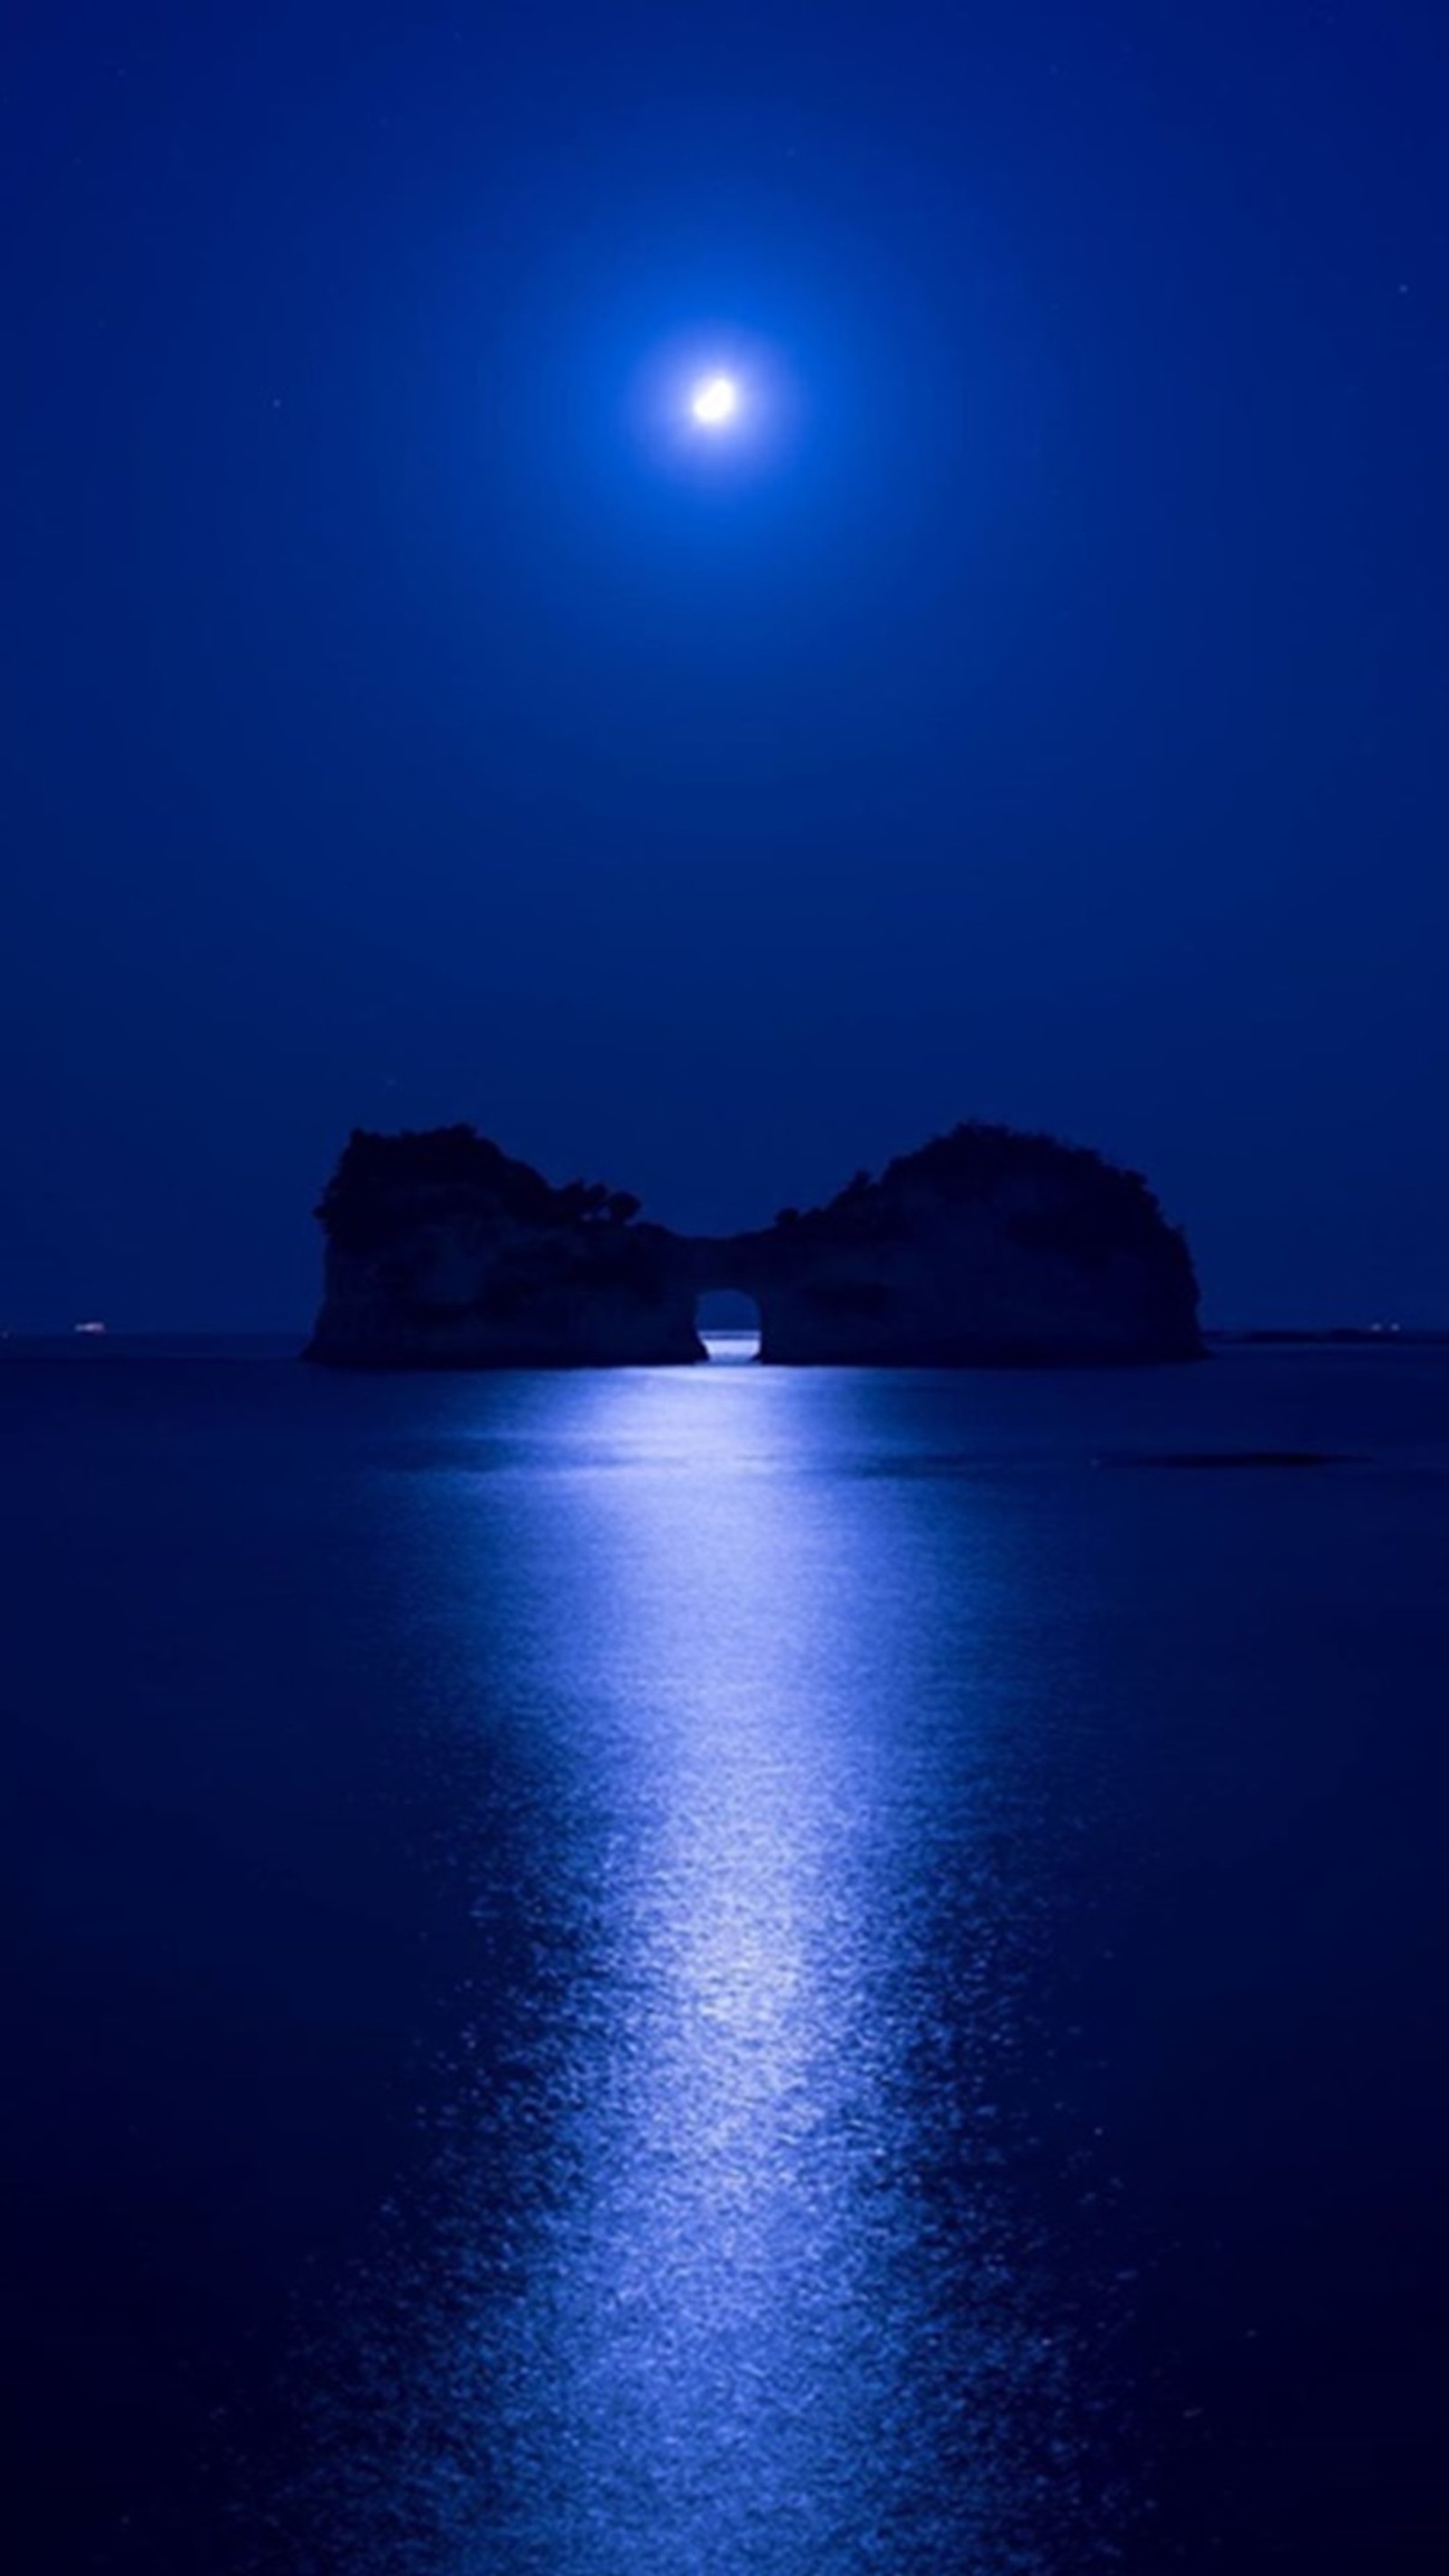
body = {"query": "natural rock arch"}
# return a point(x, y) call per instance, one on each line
point(985, 1247)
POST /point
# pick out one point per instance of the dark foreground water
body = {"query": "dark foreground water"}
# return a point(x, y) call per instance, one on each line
point(726, 1973)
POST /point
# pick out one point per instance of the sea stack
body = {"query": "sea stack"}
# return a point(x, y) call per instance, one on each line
point(986, 1248)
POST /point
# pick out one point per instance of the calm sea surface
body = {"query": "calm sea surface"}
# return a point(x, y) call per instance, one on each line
point(726, 1972)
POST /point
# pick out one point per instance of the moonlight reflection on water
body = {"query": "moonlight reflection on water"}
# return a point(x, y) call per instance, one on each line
point(724, 2267)
point(807, 1972)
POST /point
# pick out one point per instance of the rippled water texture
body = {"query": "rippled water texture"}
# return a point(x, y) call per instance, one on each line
point(730, 1970)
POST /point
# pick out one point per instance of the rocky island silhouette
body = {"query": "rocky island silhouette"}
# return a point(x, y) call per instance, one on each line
point(987, 1247)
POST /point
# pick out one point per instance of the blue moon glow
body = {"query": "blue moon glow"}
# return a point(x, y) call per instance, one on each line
point(715, 401)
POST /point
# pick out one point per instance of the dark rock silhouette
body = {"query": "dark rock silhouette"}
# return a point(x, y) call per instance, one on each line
point(985, 1248)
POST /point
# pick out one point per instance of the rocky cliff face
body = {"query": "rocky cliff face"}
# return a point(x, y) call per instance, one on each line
point(985, 1248)
point(443, 1252)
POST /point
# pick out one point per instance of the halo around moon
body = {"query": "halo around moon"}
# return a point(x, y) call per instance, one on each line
point(715, 401)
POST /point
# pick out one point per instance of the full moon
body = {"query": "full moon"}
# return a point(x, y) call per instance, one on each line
point(715, 401)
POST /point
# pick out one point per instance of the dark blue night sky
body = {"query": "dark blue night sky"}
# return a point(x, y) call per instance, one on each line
point(1040, 715)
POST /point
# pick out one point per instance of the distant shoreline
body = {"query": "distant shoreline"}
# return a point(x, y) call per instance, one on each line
point(1375, 1336)
point(98, 1347)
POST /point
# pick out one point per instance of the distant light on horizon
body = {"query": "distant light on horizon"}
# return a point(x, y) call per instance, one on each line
point(715, 401)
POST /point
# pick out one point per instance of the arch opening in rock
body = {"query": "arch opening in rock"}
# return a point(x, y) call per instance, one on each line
point(728, 1322)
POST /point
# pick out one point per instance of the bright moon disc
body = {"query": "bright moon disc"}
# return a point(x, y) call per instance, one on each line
point(715, 401)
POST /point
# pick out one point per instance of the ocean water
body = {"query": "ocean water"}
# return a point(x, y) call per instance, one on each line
point(726, 1972)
